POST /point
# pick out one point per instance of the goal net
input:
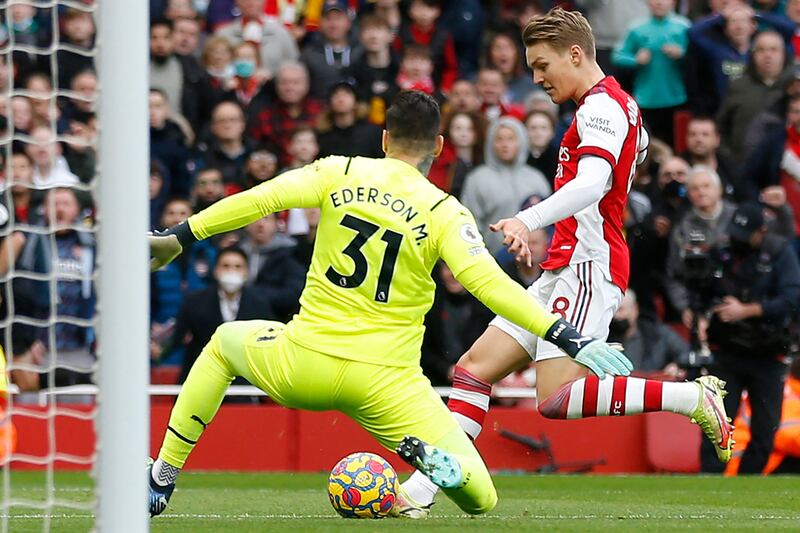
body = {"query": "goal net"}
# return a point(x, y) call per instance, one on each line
point(73, 264)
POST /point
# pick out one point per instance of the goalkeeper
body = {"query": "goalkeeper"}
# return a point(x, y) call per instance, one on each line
point(355, 344)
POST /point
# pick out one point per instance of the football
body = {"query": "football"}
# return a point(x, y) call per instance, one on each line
point(362, 485)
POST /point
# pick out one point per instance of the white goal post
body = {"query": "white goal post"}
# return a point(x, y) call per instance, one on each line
point(123, 291)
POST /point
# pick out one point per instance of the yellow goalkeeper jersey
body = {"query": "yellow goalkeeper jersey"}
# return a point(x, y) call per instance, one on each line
point(383, 226)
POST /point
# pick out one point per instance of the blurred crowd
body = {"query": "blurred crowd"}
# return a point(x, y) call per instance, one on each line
point(242, 90)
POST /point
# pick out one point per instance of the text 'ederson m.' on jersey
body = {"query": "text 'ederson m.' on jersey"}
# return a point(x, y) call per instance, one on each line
point(607, 124)
point(382, 228)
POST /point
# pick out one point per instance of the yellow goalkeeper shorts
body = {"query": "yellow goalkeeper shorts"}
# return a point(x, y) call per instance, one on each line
point(389, 402)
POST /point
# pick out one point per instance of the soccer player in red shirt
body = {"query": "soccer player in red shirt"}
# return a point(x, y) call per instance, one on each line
point(586, 272)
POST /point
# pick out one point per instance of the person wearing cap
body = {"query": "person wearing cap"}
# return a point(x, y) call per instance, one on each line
point(332, 55)
point(343, 126)
point(758, 294)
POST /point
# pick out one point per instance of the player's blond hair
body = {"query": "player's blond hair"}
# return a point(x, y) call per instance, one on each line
point(560, 29)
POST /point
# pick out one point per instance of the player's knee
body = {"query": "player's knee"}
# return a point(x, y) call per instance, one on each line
point(485, 503)
point(471, 362)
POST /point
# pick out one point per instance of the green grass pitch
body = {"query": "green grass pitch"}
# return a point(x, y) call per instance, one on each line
point(230, 502)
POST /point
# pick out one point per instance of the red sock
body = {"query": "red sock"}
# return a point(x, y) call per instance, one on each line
point(469, 401)
point(619, 396)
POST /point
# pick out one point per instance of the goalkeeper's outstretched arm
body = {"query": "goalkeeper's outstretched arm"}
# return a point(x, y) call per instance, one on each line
point(479, 273)
point(302, 187)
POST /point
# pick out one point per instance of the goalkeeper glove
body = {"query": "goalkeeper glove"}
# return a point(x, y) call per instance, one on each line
point(167, 245)
point(594, 354)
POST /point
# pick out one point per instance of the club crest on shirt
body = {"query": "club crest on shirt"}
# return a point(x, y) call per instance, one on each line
point(470, 233)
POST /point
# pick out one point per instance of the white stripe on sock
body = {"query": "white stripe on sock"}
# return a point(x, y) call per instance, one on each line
point(478, 399)
point(470, 427)
point(420, 489)
point(604, 391)
point(680, 397)
point(634, 396)
point(575, 406)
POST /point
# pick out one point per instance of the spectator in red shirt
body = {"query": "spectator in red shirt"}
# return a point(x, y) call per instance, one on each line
point(424, 30)
point(292, 108)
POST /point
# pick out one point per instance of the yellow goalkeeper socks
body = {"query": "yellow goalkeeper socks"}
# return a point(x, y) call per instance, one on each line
point(198, 402)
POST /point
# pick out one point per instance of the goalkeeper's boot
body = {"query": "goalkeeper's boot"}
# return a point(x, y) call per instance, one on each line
point(438, 465)
point(159, 495)
point(406, 507)
point(711, 417)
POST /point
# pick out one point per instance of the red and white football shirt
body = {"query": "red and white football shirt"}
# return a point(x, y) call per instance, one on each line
point(607, 124)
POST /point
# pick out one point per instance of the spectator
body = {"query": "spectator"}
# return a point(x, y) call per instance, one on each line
point(41, 89)
point(389, 10)
point(654, 49)
point(330, 57)
point(157, 191)
point(227, 299)
point(759, 89)
point(181, 78)
point(78, 31)
point(649, 239)
point(426, 30)
point(704, 226)
point(303, 148)
point(249, 75)
point(70, 260)
point(774, 117)
point(491, 92)
point(776, 162)
point(22, 21)
point(217, 59)
point(703, 149)
point(793, 14)
point(723, 43)
point(261, 166)
point(81, 108)
point(649, 344)
point(209, 188)
point(759, 290)
point(292, 108)
point(463, 150)
point(301, 223)
point(275, 43)
point(22, 198)
point(375, 73)
point(542, 150)
point(416, 69)
point(503, 53)
point(22, 112)
point(189, 272)
point(50, 168)
point(5, 73)
point(177, 9)
point(343, 127)
point(186, 30)
point(497, 188)
point(464, 97)
point(273, 267)
point(226, 149)
point(168, 144)
point(466, 21)
point(610, 21)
